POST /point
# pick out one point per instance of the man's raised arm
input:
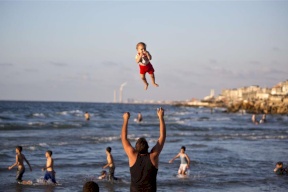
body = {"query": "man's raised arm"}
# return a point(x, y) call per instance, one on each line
point(125, 142)
point(162, 137)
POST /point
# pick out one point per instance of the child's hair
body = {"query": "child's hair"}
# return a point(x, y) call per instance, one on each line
point(49, 152)
point(108, 149)
point(90, 186)
point(19, 148)
point(184, 148)
point(140, 43)
point(279, 163)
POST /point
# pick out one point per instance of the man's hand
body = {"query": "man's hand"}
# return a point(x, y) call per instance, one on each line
point(126, 116)
point(160, 112)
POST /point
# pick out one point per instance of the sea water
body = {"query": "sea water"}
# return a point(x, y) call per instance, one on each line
point(227, 151)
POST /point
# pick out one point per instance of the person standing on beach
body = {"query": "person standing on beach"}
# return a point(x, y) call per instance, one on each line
point(185, 161)
point(143, 58)
point(143, 165)
point(20, 158)
point(110, 164)
point(49, 168)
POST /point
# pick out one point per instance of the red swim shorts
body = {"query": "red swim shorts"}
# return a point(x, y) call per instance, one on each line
point(146, 69)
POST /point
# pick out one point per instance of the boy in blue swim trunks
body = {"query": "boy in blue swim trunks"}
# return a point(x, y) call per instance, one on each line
point(49, 168)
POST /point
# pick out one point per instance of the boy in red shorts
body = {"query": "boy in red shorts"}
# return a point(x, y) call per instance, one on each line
point(143, 58)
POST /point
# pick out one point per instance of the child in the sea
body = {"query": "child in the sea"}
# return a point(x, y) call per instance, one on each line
point(20, 158)
point(110, 164)
point(49, 168)
point(143, 58)
point(185, 161)
point(279, 170)
point(103, 175)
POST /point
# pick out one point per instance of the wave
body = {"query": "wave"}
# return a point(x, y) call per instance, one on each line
point(71, 112)
point(38, 115)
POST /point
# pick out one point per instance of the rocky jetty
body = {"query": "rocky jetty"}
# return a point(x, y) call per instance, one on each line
point(258, 106)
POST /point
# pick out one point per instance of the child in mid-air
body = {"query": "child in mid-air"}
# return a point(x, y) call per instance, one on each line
point(185, 161)
point(110, 164)
point(49, 168)
point(20, 158)
point(143, 58)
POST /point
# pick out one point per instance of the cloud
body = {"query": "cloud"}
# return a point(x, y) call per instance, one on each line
point(58, 64)
point(258, 63)
point(109, 63)
point(6, 64)
point(276, 49)
point(31, 70)
point(213, 61)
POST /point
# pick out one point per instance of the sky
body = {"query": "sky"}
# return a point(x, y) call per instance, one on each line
point(84, 50)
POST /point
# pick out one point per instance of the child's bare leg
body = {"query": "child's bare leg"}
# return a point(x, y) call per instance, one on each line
point(144, 80)
point(153, 80)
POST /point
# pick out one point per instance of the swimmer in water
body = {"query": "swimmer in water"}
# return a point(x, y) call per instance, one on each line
point(139, 117)
point(49, 168)
point(254, 120)
point(20, 158)
point(185, 161)
point(110, 164)
point(87, 116)
point(263, 119)
point(103, 175)
point(279, 170)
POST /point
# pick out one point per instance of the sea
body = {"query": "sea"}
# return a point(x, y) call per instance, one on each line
point(227, 151)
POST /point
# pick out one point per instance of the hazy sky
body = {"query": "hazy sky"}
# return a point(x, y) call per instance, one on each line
point(83, 51)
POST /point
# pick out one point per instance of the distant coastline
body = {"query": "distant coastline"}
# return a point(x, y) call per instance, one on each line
point(252, 99)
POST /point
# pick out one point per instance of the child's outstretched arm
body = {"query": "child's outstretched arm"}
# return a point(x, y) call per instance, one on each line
point(171, 161)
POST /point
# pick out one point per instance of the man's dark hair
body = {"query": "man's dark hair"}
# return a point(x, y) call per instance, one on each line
point(19, 148)
point(184, 148)
point(108, 149)
point(90, 186)
point(49, 152)
point(142, 146)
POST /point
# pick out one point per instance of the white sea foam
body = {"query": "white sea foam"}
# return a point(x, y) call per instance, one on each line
point(38, 115)
point(62, 143)
point(36, 123)
point(32, 148)
point(43, 144)
point(112, 138)
point(63, 113)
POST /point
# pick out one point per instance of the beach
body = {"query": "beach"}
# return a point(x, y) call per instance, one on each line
point(228, 152)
